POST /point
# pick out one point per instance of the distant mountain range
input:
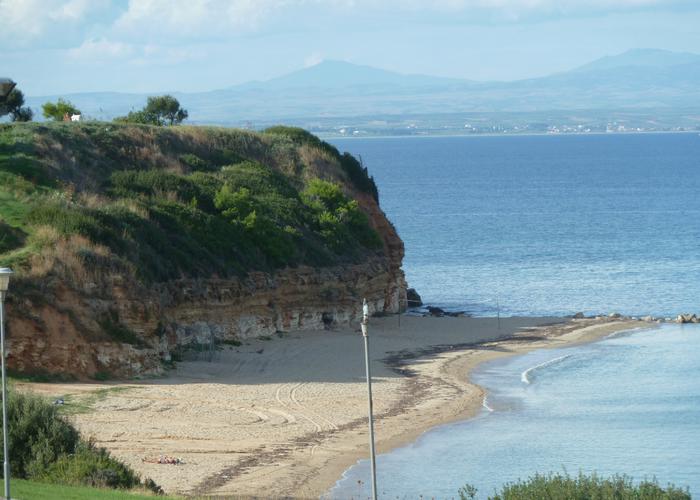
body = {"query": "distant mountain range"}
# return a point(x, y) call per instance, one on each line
point(640, 82)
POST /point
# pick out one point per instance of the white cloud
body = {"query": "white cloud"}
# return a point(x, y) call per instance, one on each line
point(25, 20)
point(185, 18)
point(101, 49)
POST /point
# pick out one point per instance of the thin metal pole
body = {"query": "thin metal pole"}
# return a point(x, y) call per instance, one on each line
point(365, 336)
point(498, 312)
point(4, 400)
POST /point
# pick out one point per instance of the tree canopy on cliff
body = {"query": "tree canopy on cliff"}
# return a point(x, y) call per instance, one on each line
point(159, 110)
point(14, 106)
point(177, 202)
point(57, 111)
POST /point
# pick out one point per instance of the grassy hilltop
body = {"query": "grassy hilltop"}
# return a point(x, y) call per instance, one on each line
point(166, 203)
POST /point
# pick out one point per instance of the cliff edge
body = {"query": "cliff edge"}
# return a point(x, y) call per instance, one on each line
point(135, 243)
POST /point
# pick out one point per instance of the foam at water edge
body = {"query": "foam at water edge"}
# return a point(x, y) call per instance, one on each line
point(525, 376)
point(486, 405)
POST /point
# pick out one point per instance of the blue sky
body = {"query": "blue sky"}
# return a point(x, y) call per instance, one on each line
point(64, 46)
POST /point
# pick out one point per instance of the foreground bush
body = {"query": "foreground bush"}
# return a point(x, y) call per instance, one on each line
point(583, 487)
point(44, 447)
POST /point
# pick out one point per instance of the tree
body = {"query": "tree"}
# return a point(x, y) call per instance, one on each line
point(14, 106)
point(56, 111)
point(166, 109)
point(159, 110)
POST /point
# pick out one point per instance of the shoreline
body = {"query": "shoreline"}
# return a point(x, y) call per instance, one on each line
point(287, 417)
point(458, 364)
point(512, 134)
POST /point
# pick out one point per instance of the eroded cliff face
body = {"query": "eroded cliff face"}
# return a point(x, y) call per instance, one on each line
point(70, 333)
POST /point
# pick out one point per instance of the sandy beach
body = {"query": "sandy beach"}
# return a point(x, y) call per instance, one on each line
point(285, 417)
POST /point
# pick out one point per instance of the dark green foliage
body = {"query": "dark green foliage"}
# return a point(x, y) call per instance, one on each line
point(38, 435)
point(89, 465)
point(47, 448)
point(583, 487)
point(159, 110)
point(14, 106)
point(176, 202)
point(10, 237)
point(339, 220)
point(350, 165)
point(194, 162)
point(57, 111)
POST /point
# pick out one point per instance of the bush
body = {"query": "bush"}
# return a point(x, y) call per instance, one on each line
point(45, 447)
point(339, 219)
point(565, 487)
point(10, 238)
point(89, 466)
point(357, 174)
point(38, 434)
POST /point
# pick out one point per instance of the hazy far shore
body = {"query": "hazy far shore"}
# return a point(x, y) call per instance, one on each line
point(285, 417)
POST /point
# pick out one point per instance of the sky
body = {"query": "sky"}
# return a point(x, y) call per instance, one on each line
point(54, 47)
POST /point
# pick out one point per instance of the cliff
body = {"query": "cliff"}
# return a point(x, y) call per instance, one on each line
point(133, 244)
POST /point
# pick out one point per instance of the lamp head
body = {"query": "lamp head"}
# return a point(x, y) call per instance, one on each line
point(5, 274)
point(365, 308)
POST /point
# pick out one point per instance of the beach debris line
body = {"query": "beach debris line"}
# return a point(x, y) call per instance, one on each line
point(163, 459)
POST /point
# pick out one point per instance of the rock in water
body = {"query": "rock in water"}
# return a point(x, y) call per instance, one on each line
point(412, 298)
point(435, 311)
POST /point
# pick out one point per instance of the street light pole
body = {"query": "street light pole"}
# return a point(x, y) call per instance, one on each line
point(5, 274)
point(365, 320)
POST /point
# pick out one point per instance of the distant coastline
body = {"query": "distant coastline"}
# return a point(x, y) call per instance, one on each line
point(330, 137)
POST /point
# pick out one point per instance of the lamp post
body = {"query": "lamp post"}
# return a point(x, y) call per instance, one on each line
point(365, 320)
point(5, 274)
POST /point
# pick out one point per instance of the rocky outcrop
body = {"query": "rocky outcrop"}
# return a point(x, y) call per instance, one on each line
point(687, 318)
point(114, 325)
point(413, 299)
point(69, 336)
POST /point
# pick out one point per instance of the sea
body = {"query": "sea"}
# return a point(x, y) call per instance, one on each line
point(545, 225)
point(552, 225)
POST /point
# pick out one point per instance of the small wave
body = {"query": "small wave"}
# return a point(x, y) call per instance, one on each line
point(486, 405)
point(526, 376)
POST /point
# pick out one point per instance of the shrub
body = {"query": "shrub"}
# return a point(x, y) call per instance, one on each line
point(10, 238)
point(339, 219)
point(565, 487)
point(38, 435)
point(89, 466)
point(357, 174)
point(45, 447)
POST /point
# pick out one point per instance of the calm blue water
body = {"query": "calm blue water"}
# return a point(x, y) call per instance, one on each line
point(553, 225)
point(545, 224)
point(628, 404)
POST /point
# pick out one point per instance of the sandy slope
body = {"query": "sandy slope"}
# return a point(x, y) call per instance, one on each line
point(285, 417)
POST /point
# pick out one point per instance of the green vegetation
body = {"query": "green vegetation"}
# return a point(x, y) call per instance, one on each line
point(84, 403)
point(583, 487)
point(14, 106)
point(357, 173)
point(34, 490)
point(57, 111)
point(165, 203)
point(46, 448)
point(159, 110)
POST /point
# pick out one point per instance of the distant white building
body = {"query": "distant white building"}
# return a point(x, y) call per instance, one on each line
point(75, 118)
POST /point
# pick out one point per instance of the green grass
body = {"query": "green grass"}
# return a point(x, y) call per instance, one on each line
point(85, 403)
point(22, 489)
point(180, 202)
